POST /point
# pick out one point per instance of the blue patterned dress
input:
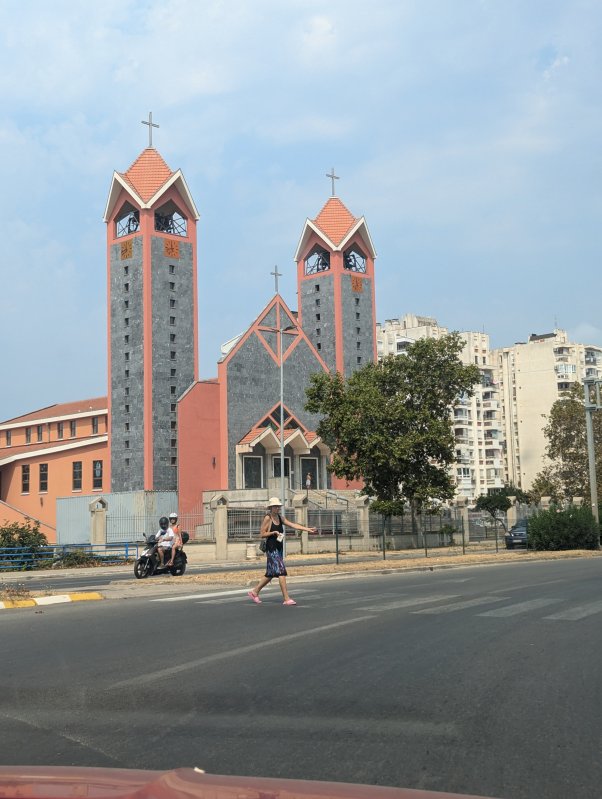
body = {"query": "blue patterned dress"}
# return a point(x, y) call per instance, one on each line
point(274, 551)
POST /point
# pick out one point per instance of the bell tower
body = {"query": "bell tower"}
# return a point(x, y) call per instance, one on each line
point(335, 283)
point(152, 326)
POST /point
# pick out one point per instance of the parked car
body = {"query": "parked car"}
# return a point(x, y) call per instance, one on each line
point(517, 535)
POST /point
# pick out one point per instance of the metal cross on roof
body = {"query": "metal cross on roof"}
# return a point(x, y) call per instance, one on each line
point(276, 274)
point(151, 125)
point(333, 177)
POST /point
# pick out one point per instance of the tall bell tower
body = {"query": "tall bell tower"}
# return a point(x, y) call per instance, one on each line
point(335, 283)
point(152, 326)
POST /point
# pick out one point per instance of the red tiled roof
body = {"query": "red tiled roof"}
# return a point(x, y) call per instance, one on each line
point(147, 174)
point(255, 432)
point(335, 220)
point(62, 409)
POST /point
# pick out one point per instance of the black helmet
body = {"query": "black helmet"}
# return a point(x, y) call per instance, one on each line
point(164, 522)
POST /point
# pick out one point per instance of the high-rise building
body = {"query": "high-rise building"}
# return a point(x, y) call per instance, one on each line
point(476, 419)
point(531, 376)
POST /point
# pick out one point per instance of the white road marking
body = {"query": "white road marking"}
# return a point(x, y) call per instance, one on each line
point(232, 653)
point(519, 607)
point(579, 612)
point(366, 598)
point(410, 602)
point(468, 603)
point(238, 592)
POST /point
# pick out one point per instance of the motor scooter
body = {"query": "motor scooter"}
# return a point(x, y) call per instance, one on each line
point(148, 563)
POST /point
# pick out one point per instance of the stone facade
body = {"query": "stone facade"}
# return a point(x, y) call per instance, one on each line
point(173, 360)
point(358, 322)
point(127, 369)
point(253, 381)
point(316, 296)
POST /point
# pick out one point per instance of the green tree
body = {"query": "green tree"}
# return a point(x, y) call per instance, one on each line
point(494, 504)
point(389, 423)
point(567, 474)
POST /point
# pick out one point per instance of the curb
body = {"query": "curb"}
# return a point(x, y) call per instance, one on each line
point(57, 599)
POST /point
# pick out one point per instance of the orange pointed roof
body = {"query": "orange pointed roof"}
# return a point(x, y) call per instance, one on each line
point(147, 174)
point(335, 220)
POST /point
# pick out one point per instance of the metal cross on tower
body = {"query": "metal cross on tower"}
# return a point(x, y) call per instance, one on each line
point(276, 274)
point(332, 177)
point(151, 125)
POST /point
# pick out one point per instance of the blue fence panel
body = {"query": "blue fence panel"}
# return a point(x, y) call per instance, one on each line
point(22, 558)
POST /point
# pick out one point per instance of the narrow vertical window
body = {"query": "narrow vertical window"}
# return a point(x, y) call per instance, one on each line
point(43, 477)
point(28, 435)
point(40, 432)
point(95, 425)
point(97, 474)
point(25, 479)
point(77, 476)
point(60, 429)
point(73, 428)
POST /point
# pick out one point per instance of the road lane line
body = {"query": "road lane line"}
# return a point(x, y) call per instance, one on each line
point(579, 612)
point(410, 602)
point(519, 607)
point(214, 594)
point(231, 653)
point(468, 603)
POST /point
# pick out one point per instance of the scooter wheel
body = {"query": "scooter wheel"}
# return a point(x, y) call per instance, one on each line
point(178, 569)
point(142, 569)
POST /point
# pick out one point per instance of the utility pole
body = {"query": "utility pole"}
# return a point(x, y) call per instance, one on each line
point(592, 403)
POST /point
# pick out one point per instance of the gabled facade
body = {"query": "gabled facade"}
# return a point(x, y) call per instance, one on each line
point(249, 379)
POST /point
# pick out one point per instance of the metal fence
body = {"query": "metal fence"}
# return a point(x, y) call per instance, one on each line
point(245, 523)
point(403, 532)
point(127, 527)
point(24, 558)
point(334, 522)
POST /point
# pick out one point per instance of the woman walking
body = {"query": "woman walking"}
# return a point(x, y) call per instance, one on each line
point(272, 529)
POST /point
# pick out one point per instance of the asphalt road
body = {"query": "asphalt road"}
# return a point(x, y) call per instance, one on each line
point(476, 680)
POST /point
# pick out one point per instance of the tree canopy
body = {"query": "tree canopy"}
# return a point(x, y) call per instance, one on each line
point(567, 474)
point(389, 423)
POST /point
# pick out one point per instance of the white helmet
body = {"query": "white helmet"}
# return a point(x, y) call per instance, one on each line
point(173, 516)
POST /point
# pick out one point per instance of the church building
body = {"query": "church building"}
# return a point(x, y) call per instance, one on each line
point(163, 429)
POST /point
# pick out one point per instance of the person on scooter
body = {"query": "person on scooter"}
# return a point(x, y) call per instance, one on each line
point(177, 543)
point(165, 540)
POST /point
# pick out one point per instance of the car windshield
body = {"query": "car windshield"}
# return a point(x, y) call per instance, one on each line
point(379, 557)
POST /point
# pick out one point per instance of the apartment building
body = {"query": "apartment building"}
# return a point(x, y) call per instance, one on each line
point(477, 420)
point(531, 376)
point(53, 452)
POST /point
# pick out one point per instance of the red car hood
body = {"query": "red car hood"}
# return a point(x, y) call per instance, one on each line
point(57, 782)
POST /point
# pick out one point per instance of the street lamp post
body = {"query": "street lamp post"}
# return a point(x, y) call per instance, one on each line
point(592, 403)
point(282, 497)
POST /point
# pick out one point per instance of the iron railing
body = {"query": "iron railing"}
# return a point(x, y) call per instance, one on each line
point(26, 558)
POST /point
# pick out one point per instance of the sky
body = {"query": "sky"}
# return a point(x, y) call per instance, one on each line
point(467, 132)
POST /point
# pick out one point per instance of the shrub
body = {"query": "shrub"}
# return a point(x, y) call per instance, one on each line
point(78, 557)
point(22, 535)
point(28, 538)
point(554, 529)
